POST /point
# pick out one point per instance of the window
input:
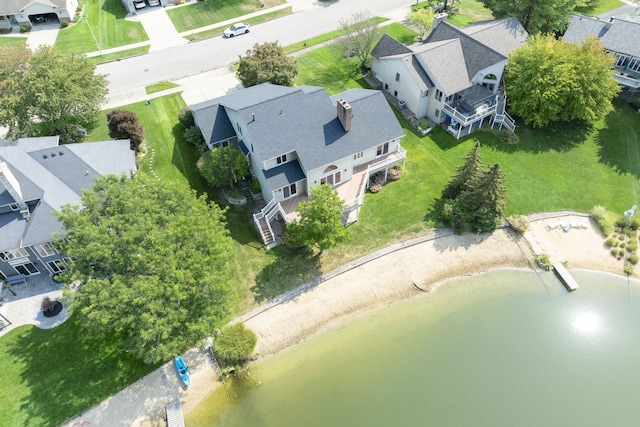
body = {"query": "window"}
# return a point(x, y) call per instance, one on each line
point(357, 155)
point(281, 159)
point(438, 95)
point(437, 113)
point(395, 93)
point(382, 149)
point(290, 191)
point(27, 269)
point(45, 250)
point(14, 206)
point(56, 266)
point(13, 254)
point(386, 86)
point(239, 128)
point(634, 65)
point(622, 60)
point(397, 77)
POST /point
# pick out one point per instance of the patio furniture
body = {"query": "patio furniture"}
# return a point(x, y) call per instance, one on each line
point(553, 224)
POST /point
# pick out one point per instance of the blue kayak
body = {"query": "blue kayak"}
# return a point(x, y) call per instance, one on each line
point(183, 371)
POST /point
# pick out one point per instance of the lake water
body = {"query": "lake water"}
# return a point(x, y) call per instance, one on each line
point(507, 348)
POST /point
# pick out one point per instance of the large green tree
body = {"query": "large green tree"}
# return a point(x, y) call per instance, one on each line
point(474, 199)
point(548, 80)
point(422, 19)
point(266, 63)
point(536, 16)
point(320, 224)
point(222, 166)
point(49, 93)
point(124, 124)
point(152, 263)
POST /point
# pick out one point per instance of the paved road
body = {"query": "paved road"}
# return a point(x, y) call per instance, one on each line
point(308, 20)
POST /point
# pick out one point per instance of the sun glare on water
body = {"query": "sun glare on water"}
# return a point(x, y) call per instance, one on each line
point(586, 323)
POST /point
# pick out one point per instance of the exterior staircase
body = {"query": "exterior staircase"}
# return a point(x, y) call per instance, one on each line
point(263, 222)
point(244, 189)
point(501, 117)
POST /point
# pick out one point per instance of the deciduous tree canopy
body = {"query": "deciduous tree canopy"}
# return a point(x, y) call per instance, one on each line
point(153, 263)
point(124, 124)
point(320, 222)
point(48, 93)
point(360, 32)
point(548, 80)
point(422, 19)
point(266, 63)
point(536, 16)
point(222, 166)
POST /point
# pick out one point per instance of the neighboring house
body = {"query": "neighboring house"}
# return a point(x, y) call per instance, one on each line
point(297, 138)
point(620, 37)
point(37, 177)
point(131, 8)
point(455, 76)
point(24, 12)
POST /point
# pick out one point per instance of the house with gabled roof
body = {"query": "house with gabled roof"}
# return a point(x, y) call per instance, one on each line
point(620, 37)
point(297, 138)
point(37, 177)
point(22, 12)
point(455, 76)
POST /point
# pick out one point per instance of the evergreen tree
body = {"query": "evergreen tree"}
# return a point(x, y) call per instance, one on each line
point(466, 174)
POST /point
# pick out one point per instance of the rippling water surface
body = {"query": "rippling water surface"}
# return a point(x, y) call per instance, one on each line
point(506, 348)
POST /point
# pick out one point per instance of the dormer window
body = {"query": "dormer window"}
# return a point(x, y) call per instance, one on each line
point(14, 206)
point(281, 159)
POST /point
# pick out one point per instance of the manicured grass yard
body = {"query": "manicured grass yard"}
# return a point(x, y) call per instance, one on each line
point(469, 11)
point(209, 12)
point(107, 57)
point(600, 7)
point(159, 87)
point(51, 375)
point(6, 41)
point(106, 18)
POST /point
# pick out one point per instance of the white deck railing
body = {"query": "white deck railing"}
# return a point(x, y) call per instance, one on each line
point(466, 120)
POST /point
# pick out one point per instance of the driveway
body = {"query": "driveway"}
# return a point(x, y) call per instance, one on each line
point(159, 28)
point(43, 35)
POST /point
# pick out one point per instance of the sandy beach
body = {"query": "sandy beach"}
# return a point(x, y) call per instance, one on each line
point(396, 273)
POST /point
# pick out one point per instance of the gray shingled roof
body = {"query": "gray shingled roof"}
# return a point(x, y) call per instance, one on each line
point(216, 130)
point(304, 120)
point(445, 62)
point(284, 174)
point(48, 183)
point(476, 55)
point(502, 35)
point(388, 46)
point(10, 7)
point(619, 35)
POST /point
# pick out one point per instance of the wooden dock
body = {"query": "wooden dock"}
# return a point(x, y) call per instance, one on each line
point(174, 416)
point(567, 280)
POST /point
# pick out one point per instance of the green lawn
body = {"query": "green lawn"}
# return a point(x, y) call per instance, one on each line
point(159, 87)
point(52, 375)
point(106, 19)
point(600, 7)
point(206, 34)
point(6, 41)
point(201, 14)
point(469, 11)
point(120, 55)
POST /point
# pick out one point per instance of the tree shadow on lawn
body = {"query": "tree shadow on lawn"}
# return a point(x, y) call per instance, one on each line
point(67, 372)
point(560, 137)
point(291, 268)
point(618, 142)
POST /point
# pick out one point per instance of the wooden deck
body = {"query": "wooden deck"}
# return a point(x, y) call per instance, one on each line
point(567, 280)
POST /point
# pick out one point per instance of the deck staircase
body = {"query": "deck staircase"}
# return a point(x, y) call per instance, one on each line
point(263, 222)
point(502, 118)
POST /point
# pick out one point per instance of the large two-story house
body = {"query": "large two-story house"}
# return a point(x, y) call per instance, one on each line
point(620, 37)
point(297, 138)
point(455, 76)
point(24, 12)
point(37, 177)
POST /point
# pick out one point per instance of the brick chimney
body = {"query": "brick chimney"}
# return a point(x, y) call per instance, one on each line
point(10, 183)
point(344, 114)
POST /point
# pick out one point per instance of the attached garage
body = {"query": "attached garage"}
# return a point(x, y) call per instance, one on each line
point(30, 12)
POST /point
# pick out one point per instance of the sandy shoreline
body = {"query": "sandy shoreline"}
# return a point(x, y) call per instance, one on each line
point(393, 274)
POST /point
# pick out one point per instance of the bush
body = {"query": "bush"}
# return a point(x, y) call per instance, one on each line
point(24, 28)
point(376, 183)
point(234, 344)
point(633, 259)
point(254, 185)
point(394, 174)
point(622, 237)
point(508, 137)
point(615, 252)
point(124, 124)
point(611, 241)
point(64, 23)
point(193, 136)
point(604, 218)
point(623, 245)
point(632, 246)
point(519, 223)
point(186, 118)
point(635, 223)
point(544, 261)
point(47, 304)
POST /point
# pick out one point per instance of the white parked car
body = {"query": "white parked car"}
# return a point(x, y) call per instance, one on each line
point(153, 2)
point(139, 4)
point(236, 30)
